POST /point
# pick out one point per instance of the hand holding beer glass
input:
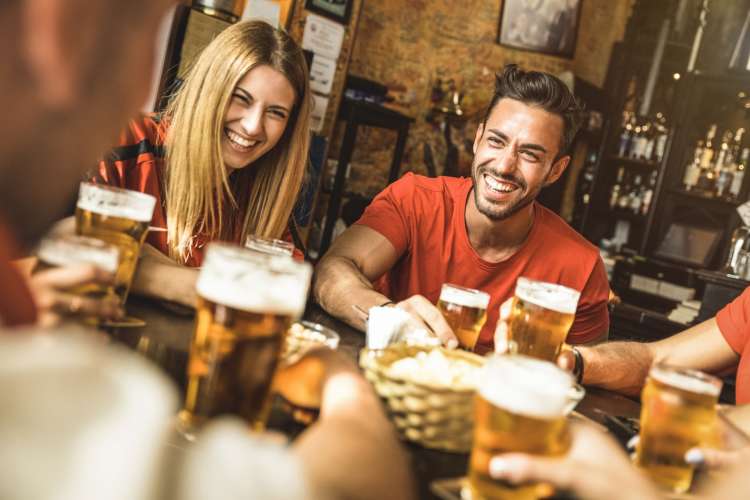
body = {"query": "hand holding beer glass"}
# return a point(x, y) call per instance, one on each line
point(120, 217)
point(678, 412)
point(521, 406)
point(246, 303)
point(541, 316)
point(465, 310)
point(74, 276)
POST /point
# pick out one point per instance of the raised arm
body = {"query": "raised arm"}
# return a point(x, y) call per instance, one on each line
point(623, 366)
point(343, 278)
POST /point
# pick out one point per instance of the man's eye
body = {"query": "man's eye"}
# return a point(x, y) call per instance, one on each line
point(529, 156)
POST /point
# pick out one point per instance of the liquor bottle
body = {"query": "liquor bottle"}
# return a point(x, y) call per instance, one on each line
point(648, 195)
point(636, 195)
point(635, 142)
point(662, 135)
point(739, 174)
point(648, 149)
point(614, 195)
point(707, 177)
point(707, 155)
point(625, 136)
point(623, 201)
point(692, 170)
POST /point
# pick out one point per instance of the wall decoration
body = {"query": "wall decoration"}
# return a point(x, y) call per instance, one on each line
point(547, 26)
point(338, 10)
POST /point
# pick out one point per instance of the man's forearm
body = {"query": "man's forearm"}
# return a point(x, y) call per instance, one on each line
point(618, 366)
point(168, 281)
point(339, 286)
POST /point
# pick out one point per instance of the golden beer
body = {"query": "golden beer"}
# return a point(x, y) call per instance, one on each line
point(117, 216)
point(247, 302)
point(465, 311)
point(520, 407)
point(678, 412)
point(541, 318)
point(70, 250)
point(269, 246)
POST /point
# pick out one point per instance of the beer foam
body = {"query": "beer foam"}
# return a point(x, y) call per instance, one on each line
point(526, 386)
point(254, 282)
point(686, 380)
point(548, 295)
point(464, 297)
point(115, 202)
point(73, 250)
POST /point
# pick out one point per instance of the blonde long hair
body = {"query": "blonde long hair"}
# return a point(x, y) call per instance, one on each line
point(198, 189)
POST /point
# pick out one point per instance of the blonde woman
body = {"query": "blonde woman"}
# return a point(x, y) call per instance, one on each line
point(225, 160)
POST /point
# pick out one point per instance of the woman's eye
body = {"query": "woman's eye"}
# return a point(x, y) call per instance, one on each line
point(241, 98)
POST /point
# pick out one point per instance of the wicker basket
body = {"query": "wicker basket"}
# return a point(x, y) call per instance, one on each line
point(434, 416)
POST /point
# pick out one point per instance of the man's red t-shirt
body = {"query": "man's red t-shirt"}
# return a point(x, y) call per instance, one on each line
point(137, 163)
point(424, 219)
point(16, 303)
point(734, 324)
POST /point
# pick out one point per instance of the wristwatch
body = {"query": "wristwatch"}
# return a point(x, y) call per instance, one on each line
point(578, 366)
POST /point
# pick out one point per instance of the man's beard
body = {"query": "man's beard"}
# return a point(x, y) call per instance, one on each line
point(492, 211)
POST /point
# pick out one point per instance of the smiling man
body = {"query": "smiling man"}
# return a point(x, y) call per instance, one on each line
point(480, 233)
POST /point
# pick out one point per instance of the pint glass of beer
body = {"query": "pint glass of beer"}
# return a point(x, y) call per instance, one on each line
point(541, 317)
point(465, 311)
point(269, 246)
point(520, 407)
point(678, 412)
point(117, 216)
point(70, 250)
point(246, 303)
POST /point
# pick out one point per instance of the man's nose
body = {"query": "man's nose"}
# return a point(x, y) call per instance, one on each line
point(252, 121)
point(508, 160)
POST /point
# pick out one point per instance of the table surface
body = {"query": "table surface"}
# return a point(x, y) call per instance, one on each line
point(166, 337)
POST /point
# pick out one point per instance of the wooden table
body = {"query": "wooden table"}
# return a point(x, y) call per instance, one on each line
point(166, 337)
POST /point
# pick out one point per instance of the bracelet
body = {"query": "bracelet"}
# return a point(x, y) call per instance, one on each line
point(578, 367)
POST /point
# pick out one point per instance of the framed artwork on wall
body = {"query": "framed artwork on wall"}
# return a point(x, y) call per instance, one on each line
point(547, 26)
point(338, 10)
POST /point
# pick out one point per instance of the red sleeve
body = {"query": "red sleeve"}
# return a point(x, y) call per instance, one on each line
point(118, 168)
point(734, 321)
point(17, 305)
point(297, 253)
point(592, 315)
point(391, 211)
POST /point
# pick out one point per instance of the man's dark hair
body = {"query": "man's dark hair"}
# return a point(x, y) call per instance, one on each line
point(543, 90)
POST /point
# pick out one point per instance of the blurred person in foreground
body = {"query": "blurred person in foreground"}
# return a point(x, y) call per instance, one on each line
point(67, 81)
point(480, 233)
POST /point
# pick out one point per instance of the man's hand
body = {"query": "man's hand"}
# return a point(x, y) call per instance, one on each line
point(50, 289)
point(594, 468)
point(429, 317)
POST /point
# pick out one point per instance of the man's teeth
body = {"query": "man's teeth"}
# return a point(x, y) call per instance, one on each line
point(239, 140)
point(500, 187)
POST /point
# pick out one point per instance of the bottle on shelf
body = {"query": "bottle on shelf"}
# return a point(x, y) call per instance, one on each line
point(739, 174)
point(625, 135)
point(692, 170)
point(706, 177)
point(722, 169)
point(636, 195)
point(637, 142)
point(623, 200)
point(662, 134)
point(614, 195)
point(648, 194)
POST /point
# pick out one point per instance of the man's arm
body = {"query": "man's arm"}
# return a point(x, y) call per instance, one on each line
point(160, 277)
point(343, 282)
point(344, 276)
point(623, 366)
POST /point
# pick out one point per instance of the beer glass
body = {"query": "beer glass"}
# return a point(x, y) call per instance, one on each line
point(520, 406)
point(120, 217)
point(70, 250)
point(678, 412)
point(465, 311)
point(269, 246)
point(541, 317)
point(246, 303)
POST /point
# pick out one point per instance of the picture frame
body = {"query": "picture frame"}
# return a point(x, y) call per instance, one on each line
point(545, 26)
point(338, 10)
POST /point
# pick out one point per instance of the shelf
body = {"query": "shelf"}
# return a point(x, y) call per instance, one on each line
point(635, 161)
point(697, 195)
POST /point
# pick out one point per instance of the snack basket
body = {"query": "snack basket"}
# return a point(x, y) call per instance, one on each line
point(435, 416)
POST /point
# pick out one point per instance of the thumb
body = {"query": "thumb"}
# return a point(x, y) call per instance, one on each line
point(519, 468)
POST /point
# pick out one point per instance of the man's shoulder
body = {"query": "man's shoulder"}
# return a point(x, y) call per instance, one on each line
point(557, 232)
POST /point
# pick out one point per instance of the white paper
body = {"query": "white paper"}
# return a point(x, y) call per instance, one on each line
point(322, 72)
point(265, 10)
point(318, 115)
point(744, 211)
point(323, 36)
